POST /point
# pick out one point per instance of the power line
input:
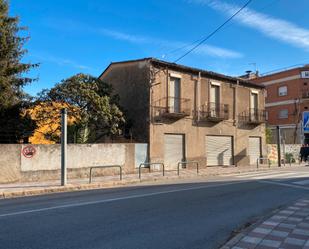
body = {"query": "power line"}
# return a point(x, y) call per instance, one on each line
point(215, 31)
point(172, 51)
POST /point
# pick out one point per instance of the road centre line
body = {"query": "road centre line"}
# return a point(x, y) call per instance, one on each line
point(117, 199)
point(283, 184)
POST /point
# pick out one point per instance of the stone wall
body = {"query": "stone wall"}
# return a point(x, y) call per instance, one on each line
point(287, 148)
point(45, 164)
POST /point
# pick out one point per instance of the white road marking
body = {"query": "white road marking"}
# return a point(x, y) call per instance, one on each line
point(283, 184)
point(304, 182)
point(116, 199)
point(249, 173)
point(273, 176)
point(277, 176)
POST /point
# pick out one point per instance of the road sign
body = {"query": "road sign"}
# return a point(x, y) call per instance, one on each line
point(28, 151)
point(306, 122)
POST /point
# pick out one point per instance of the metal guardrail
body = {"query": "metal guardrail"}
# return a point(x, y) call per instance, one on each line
point(188, 162)
point(147, 165)
point(105, 166)
point(262, 158)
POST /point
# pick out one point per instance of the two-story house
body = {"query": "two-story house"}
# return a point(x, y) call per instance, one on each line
point(287, 99)
point(184, 113)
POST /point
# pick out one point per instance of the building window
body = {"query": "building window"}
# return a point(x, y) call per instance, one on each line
point(283, 91)
point(283, 113)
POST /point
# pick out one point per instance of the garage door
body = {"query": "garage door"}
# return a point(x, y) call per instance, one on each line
point(254, 149)
point(173, 150)
point(219, 150)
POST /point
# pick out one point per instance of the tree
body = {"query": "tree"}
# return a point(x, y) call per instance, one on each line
point(47, 117)
point(91, 106)
point(12, 79)
point(268, 134)
point(11, 53)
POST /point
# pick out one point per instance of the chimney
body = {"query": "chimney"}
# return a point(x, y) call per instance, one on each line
point(250, 75)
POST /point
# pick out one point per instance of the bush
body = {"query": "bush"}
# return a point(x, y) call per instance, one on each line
point(289, 157)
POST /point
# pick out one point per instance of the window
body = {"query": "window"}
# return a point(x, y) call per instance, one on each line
point(283, 91)
point(214, 100)
point(214, 94)
point(174, 95)
point(254, 101)
point(283, 113)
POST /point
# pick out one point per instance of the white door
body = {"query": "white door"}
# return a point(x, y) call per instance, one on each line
point(254, 106)
point(174, 95)
point(173, 150)
point(219, 150)
point(214, 100)
point(254, 149)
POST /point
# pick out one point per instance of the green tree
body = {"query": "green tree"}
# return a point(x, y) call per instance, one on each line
point(91, 105)
point(268, 134)
point(11, 53)
point(12, 79)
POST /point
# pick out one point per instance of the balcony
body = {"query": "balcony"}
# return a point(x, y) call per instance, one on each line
point(305, 94)
point(214, 112)
point(253, 116)
point(172, 108)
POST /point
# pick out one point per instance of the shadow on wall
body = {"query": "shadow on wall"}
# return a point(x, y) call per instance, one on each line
point(242, 158)
point(221, 157)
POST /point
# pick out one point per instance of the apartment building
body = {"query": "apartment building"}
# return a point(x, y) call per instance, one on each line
point(287, 102)
point(184, 113)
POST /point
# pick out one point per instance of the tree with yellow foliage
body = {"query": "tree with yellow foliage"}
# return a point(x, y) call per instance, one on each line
point(48, 120)
point(93, 112)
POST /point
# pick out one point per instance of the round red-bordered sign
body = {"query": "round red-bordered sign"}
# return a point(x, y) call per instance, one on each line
point(28, 151)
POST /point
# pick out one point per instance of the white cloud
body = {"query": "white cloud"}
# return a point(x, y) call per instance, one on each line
point(43, 57)
point(276, 28)
point(123, 36)
point(201, 50)
point(204, 50)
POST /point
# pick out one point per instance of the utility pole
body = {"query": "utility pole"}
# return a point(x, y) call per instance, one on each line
point(278, 146)
point(64, 147)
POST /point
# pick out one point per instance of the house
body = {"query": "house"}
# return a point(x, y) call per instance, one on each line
point(185, 113)
point(287, 99)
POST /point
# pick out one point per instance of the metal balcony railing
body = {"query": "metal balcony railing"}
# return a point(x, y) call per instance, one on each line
point(213, 112)
point(305, 94)
point(172, 107)
point(253, 116)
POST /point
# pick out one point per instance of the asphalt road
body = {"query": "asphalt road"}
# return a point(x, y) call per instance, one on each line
point(183, 215)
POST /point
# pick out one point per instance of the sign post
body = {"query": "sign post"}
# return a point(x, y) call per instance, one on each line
point(63, 147)
point(279, 145)
point(305, 123)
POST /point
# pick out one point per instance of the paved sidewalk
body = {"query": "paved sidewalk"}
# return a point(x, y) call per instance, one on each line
point(286, 229)
point(35, 188)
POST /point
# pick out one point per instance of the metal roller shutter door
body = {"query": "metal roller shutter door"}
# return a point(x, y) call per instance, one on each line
point(173, 150)
point(254, 149)
point(219, 150)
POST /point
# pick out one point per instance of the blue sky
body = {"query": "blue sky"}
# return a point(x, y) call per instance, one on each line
point(68, 37)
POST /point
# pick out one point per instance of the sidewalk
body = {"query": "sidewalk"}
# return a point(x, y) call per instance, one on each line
point(36, 188)
point(286, 229)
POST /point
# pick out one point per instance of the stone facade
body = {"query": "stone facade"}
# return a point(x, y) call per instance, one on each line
point(144, 84)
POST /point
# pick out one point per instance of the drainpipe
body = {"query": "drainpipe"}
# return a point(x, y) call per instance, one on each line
point(278, 146)
point(198, 100)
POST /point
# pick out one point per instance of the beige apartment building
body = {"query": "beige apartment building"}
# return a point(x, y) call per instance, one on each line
point(184, 113)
